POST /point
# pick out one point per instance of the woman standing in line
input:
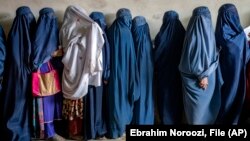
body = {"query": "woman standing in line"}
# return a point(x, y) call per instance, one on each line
point(16, 94)
point(144, 106)
point(201, 78)
point(123, 82)
point(168, 47)
point(95, 100)
point(82, 41)
point(48, 109)
point(230, 37)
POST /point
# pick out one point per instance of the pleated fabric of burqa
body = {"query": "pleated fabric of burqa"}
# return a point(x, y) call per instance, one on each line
point(234, 56)
point(46, 43)
point(144, 106)
point(168, 48)
point(2, 55)
point(95, 99)
point(17, 97)
point(123, 82)
point(199, 61)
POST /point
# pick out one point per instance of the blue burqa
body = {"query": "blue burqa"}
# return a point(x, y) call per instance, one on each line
point(17, 97)
point(168, 47)
point(144, 107)
point(46, 42)
point(2, 54)
point(95, 104)
point(199, 60)
point(2, 63)
point(234, 56)
point(123, 90)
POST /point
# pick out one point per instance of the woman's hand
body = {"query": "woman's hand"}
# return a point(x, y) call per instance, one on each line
point(204, 83)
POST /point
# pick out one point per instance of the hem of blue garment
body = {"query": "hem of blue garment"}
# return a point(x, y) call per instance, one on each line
point(116, 134)
point(97, 135)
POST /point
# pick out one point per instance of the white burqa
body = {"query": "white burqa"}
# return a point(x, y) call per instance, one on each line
point(82, 41)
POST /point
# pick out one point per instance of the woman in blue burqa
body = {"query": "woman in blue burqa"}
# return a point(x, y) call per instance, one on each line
point(95, 99)
point(234, 56)
point(16, 95)
point(123, 79)
point(201, 79)
point(168, 47)
point(144, 107)
point(46, 110)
